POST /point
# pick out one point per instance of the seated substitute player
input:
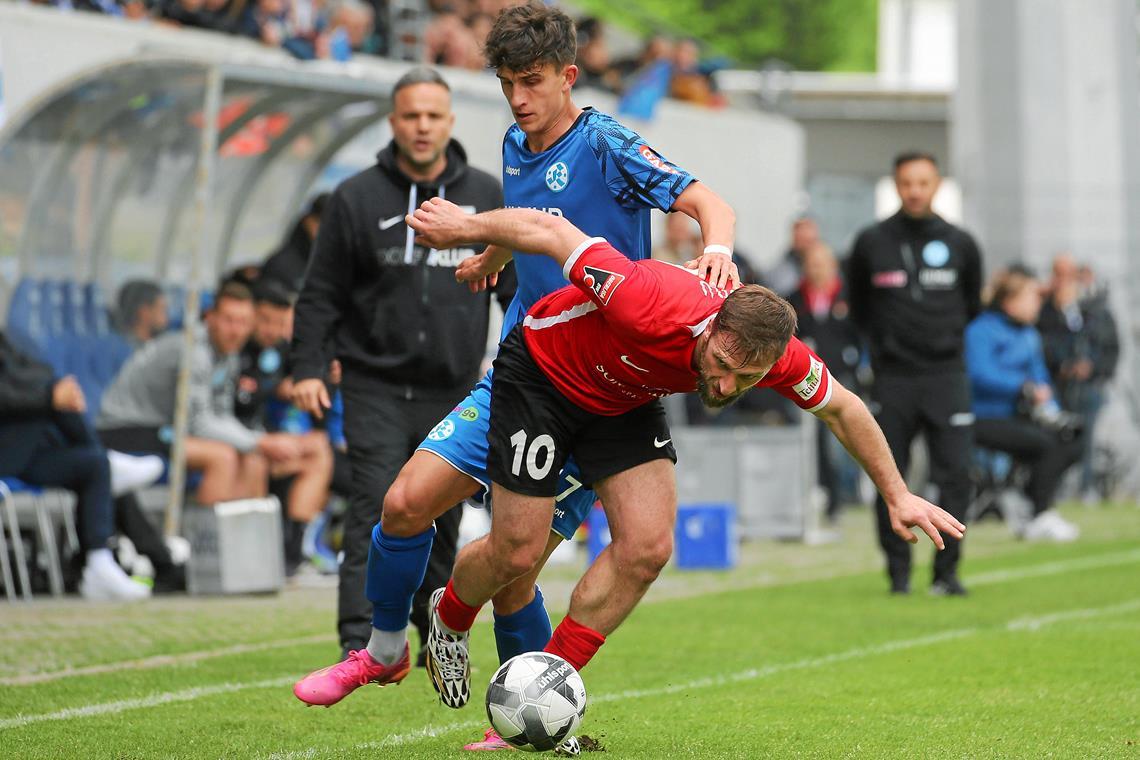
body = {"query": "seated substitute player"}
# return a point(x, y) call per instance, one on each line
point(571, 162)
point(639, 331)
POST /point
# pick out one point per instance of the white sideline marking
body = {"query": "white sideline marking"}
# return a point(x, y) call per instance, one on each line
point(981, 579)
point(1053, 568)
point(122, 705)
point(1037, 623)
point(1020, 624)
point(162, 660)
point(771, 670)
point(187, 695)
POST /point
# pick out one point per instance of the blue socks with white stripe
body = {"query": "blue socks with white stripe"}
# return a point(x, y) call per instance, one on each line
point(527, 630)
point(396, 568)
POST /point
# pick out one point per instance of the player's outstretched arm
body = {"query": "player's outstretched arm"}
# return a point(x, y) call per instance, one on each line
point(442, 224)
point(849, 420)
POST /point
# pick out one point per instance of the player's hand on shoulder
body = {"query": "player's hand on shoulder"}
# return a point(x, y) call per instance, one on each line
point(717, 269)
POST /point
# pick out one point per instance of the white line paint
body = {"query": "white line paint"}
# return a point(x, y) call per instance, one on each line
point(980, 579)
point(161, 661)
point(1054, 568)
point(1039, 622)
point(811, 662)
point(858, 653)
point(187, 695)
point(154, 700)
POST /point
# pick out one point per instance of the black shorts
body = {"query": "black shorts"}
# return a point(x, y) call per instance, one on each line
point(534, 428)
point(138, 439)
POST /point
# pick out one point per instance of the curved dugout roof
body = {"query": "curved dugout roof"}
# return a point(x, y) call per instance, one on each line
point(98, 177)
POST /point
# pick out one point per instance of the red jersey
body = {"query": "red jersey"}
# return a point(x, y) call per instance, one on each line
point(623, 333)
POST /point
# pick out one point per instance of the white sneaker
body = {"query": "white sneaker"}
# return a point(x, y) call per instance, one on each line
point(448, 663)
point(179, 549)
point(105, 581)
point(1050, 526)
point(130, 473)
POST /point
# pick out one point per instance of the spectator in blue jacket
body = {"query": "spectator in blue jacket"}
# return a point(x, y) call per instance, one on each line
point(1013, 399)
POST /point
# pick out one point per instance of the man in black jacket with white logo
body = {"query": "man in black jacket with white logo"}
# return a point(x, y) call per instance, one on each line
point(914, 283)
point(409, 338)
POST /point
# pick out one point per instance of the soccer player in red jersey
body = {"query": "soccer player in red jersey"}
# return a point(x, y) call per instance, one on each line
point(576, 377)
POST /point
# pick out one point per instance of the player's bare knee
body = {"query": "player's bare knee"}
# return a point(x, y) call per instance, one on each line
point(645, 558)
point(517, 556)
point(404, 514)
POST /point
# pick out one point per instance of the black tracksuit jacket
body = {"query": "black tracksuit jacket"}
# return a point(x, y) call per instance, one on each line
point(914, 285)
point(388, 308)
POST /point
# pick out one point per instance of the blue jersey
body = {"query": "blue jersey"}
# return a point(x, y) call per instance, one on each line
point(601, 176)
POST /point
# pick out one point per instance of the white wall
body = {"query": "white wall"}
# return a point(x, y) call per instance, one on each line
point(918, 41)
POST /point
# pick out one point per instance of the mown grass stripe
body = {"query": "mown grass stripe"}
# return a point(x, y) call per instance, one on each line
point(1029, 624)
point(161, 661)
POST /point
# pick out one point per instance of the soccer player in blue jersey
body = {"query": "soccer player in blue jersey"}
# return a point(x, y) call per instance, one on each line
point(571, 162)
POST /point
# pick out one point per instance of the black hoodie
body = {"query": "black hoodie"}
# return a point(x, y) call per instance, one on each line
point(389, 309)
point(914, 285)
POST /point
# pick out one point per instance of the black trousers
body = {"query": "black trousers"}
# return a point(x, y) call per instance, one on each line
point(61, 450)
point(383, 431)
point(937, 405)
point(1043, 451)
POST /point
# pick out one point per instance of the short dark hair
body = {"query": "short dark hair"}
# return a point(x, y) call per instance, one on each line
point(420, 75)
point(134, 295)
point(757, 324)
point(531, 34)
point(270, 291)
point(914, 155)
point(235, 291)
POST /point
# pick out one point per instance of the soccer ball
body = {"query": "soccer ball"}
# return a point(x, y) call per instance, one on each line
point(536, 700)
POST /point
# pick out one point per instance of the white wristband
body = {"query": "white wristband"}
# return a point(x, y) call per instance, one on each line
point(724, 249)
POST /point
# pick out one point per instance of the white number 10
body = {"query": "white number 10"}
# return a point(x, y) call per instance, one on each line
point(543, 443)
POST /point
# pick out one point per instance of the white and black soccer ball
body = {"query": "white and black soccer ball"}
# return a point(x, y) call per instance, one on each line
point(536, 700)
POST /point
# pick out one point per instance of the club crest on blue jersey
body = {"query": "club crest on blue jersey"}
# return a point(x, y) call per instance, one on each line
point(442, 431)
point(558, 177)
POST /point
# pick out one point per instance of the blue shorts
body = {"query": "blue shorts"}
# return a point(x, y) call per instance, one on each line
point(460, 439)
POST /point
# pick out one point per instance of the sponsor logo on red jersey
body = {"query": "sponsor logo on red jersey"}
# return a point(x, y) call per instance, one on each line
point(603, 282)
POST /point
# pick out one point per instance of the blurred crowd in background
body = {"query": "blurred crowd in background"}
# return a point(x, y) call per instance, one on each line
point(1068, 334)
point(439, 32)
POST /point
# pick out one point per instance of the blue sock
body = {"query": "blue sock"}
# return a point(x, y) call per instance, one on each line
point(396, 568)
point(527, 630)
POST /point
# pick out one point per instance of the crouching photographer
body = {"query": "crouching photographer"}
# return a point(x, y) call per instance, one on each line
point(1013, 401)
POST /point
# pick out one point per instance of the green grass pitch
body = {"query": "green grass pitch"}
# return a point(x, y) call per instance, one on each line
point(797, 653)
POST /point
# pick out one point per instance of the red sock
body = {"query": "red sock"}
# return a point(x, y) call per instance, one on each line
point(455, 614)
point(574, 642)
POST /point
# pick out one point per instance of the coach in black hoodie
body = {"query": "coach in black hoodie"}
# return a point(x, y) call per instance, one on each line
point(408, 337)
